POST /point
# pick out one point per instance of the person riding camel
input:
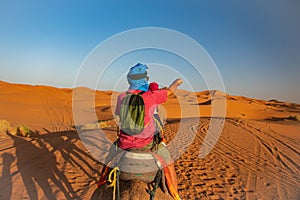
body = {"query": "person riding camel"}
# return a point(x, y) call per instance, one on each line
point(137, 78)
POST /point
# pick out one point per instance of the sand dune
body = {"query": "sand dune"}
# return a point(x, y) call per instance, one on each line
point(44, 107)
point(257, 155)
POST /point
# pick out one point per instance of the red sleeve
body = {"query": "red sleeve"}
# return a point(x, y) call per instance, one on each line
point(161, 96)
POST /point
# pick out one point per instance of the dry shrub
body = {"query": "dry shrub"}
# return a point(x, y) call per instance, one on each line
point(23, 131)
point(99, 125)
point(4, 126)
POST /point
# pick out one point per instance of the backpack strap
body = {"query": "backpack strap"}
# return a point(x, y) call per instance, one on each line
point(142, 92)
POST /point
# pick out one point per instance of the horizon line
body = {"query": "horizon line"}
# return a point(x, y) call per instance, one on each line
point(110, 90)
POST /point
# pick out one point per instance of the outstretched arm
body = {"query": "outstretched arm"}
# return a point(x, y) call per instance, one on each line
point(173, 87)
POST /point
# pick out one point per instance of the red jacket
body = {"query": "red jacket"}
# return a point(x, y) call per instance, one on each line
point(151, 100)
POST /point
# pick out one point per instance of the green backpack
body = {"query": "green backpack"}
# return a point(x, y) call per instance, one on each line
point(132, 113)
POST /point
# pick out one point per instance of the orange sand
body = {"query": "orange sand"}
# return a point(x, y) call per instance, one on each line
point(256, 157)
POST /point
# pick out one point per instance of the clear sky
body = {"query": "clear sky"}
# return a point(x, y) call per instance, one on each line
point(255, 44)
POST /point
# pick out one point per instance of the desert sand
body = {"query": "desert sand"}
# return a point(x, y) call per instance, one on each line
point(257, 155)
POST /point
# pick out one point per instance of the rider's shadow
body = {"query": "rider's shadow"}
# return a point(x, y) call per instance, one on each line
point(6, 178)
point(64, 142)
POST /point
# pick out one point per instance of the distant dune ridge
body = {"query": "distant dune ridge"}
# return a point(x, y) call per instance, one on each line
point(44, 107)
point(256, 157)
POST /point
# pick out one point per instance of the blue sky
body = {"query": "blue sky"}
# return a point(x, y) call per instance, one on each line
point(255, 44)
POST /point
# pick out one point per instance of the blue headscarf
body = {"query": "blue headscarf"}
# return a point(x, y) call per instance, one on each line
point(137, 77)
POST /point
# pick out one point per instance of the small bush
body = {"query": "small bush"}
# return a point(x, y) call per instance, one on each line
point(4, 126)
point(13, 131)
point(23, 131)
point(99, 125)
point(104, 124)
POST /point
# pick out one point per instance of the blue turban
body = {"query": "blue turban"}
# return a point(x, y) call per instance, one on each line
point(137, 77)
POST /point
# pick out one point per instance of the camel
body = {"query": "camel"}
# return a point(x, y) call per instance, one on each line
point(129, 190)
point(133, 186)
